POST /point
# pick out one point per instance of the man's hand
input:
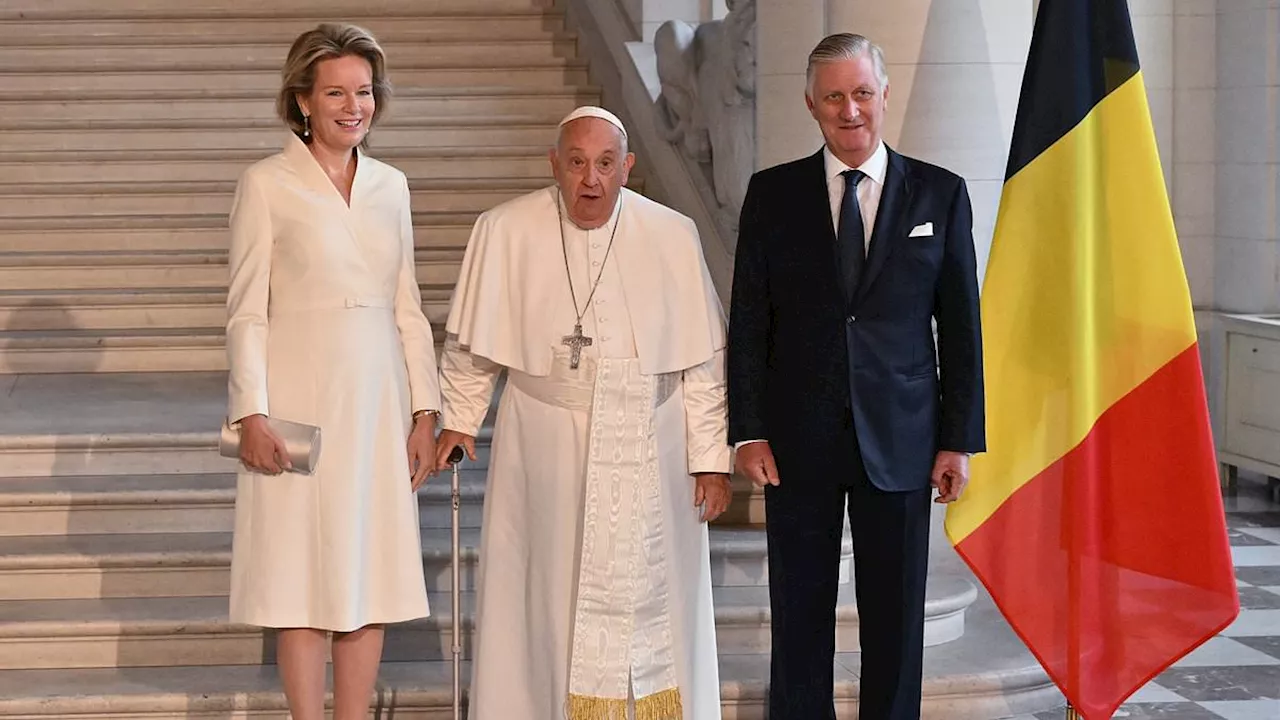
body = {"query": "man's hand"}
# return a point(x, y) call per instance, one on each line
point(261, 450)
point(450, 439)
point(950, 475)
point(422, 450)
point(755, 460)
point(712, 491)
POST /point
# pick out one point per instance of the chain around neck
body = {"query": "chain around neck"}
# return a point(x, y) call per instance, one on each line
point(564, 247)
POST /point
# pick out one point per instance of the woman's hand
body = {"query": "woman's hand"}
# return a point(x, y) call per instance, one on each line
point(422, 450)
point(261, 450)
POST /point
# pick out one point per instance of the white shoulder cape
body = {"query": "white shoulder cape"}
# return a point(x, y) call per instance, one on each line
point(513, 273)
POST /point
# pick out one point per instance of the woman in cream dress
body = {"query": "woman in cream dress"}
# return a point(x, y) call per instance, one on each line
point(325, 327)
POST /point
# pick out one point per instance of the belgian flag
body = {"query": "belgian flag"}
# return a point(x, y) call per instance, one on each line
point(1095, 519)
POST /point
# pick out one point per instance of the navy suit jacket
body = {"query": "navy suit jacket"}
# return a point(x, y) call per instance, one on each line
point(803, 357)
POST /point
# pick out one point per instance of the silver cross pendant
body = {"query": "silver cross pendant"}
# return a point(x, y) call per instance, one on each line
point(576, 342)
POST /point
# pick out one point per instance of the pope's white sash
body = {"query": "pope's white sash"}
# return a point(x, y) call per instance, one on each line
point(622, 623)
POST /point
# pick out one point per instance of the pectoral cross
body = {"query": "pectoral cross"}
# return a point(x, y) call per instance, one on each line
point(576, 342)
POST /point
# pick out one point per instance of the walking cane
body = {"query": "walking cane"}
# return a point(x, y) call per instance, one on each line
point(455, 457)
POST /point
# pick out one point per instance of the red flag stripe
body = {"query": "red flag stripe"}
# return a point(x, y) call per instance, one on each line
point(1123, 534)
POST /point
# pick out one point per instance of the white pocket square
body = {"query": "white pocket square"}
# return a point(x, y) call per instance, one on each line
point(922, 230)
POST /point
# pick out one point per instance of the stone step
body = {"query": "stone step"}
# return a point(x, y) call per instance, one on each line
point(39, 10)
point(112, 351)
point(246, 56)
point(216, 198)
point(159, 503)
point(179, 268)
point(38, 172)
point(148, 423)
point(13, 227)
point(198, 564)
point(131, 350)
point(269, 136)
point(85, 85)
point(204, 502)
point(167, 631)
point(106, 309)
point(57, 448)
point(281, 30)
point(145, 307)
point(983, 675)
point(63, 427)
point(261, 107)
point(254, 57)
point(196, 233)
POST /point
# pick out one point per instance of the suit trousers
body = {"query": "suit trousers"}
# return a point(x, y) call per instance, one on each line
point(890, 531)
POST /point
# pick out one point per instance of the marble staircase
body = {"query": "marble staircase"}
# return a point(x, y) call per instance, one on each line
point(123, 127)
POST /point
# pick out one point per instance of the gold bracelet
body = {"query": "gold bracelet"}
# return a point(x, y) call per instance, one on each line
point(420, 413)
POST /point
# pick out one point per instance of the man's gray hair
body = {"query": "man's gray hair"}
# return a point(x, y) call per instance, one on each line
point(846, 46)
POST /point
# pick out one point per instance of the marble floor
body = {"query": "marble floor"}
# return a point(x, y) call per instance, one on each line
point(1235, 676)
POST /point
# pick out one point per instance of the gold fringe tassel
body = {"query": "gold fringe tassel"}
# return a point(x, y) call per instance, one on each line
point(664, 705)
point(585, 707)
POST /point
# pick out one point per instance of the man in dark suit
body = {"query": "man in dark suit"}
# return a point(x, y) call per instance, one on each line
point(839, 399)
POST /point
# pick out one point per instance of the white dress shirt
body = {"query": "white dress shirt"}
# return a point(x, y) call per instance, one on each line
point(869, 192)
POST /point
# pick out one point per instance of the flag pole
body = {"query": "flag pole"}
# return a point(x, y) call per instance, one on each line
point(1072, 714)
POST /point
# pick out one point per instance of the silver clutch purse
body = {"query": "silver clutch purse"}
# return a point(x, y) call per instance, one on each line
point(301, 441)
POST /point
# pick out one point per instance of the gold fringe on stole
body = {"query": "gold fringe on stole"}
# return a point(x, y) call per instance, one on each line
point(585, 707)
point(664, 705)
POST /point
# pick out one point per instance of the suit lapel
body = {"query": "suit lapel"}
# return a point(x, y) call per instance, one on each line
point(814, 201)
point(816, 193)
point(894, 203)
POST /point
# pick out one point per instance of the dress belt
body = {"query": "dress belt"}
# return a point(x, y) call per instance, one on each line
point(338, 303)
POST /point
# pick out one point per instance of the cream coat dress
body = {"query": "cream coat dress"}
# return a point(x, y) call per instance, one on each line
point(325, 327)
point(655, 302)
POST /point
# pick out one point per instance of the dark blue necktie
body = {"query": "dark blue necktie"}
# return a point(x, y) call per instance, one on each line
point(851, 236)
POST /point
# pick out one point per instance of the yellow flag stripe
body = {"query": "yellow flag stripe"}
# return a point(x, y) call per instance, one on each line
point(1084, 298)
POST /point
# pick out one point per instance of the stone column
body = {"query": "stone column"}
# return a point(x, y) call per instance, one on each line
point(1189, 148)
point(786, 30)
point(1227, 144)
point(1247, 256)
point(1181, 62)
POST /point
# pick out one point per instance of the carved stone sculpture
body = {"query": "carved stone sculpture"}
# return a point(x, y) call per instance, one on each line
point(707, 103)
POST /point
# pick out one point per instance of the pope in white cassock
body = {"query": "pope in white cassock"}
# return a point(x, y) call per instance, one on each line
point(610, 449)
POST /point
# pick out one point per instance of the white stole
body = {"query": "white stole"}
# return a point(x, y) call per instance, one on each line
point(622, 638)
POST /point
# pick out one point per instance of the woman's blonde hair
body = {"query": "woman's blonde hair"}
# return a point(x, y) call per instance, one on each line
point(325, 42)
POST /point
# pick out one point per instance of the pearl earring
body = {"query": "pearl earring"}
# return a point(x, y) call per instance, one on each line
point(306, 126)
